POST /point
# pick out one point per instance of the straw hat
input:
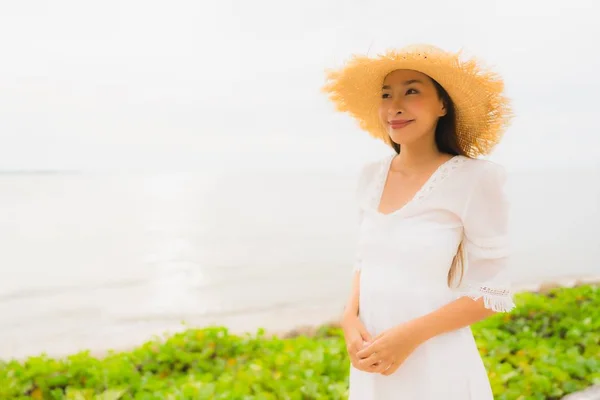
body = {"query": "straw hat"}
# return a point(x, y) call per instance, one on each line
point(482, 111)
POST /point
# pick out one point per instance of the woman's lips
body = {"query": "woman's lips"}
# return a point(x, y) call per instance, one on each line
point(399, 124)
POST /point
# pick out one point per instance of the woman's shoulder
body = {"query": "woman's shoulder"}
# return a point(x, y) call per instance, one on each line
point(371, 168)
point(483, 180)
point(479, 168)
point(369, 173)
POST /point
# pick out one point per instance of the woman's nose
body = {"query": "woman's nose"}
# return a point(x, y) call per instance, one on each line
point(396, 106)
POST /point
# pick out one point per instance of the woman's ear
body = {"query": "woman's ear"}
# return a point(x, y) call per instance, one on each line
point(443, 109)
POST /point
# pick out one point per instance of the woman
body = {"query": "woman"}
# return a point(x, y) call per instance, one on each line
point(433, 239)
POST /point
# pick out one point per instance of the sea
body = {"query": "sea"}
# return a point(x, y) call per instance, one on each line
point(105, 261)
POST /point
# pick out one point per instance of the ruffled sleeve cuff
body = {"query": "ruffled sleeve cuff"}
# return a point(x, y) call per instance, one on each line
point(496, 297)
point(486, 272)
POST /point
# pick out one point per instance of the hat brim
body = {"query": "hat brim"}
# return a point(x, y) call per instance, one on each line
point(482, 111)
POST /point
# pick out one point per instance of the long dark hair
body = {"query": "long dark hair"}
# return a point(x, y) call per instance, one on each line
point(445, 130)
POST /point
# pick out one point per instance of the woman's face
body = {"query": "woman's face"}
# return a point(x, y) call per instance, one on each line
point(410, 106)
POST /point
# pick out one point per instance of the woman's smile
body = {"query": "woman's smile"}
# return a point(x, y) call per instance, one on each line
point(400, 123)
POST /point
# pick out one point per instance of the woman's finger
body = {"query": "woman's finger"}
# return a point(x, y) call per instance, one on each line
point(381, 366)
point(352, 355)
point(388, 370)
point(366, 336)
point(357, 345)
point(356, 364)
point(391, 369)
point(368, 362)
point(368, 351)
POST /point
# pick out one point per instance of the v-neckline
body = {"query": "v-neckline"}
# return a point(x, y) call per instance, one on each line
point(419, 194)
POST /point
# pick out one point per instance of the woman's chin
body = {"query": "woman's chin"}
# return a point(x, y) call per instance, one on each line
point(402, 138)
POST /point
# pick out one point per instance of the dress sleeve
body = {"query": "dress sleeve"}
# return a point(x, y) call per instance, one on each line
point(486, 241)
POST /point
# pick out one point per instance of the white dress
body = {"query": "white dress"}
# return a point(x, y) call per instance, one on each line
point(404, 258)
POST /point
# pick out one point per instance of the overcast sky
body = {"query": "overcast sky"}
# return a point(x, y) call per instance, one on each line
point(139, 84)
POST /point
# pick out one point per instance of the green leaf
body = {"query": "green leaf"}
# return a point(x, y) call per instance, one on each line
point(111, 394)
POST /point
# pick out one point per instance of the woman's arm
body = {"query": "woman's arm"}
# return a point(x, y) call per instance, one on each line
point(356, 335)
point(455, 315)
point(352, 309)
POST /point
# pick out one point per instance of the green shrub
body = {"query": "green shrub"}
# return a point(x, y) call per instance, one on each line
point(549, 346)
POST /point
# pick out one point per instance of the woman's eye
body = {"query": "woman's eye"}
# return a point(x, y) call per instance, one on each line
point(413, 90)
point(385, 96)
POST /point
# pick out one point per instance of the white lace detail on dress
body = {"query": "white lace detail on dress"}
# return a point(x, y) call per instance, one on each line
point(438, 176)
point(497, 299)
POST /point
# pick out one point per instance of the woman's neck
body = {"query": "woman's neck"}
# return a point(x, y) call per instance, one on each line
point(415, 158)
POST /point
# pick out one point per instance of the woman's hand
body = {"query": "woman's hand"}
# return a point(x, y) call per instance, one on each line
point(356, 337)
point(389, 350)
